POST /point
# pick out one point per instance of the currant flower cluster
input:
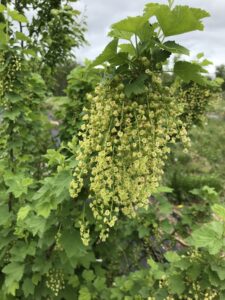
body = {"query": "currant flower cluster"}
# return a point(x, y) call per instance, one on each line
point(55, 281)
point(84, 233)
point(196, 294)
point(10, 64)
point(58, 245)
point(123, 145)
point(195, 99)
point(7, 257)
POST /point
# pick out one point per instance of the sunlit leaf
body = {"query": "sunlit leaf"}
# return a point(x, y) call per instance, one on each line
point(130, 24)
point(14, 272)
point(127, 48)
point(219, 210)
point(190, 72)
point(180, 20)
point(136, 87)
point(23, 212)
point(108, 53)
point(16, 16)
point(21, 36)
point(2, 8)
point(209, 236)
point(173, 47)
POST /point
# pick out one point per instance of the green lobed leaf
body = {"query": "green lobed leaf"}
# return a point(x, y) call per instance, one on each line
point(14, 272)
point(28, 287)
point(108, 53)
point(20, 250)
point(72, 244)
point(84, 293)
point(155, 269)
point(127, 48)
point(188, 71)
point(164, 206)
point(100, 283)
point(176, 284)
point(206, 63)
point(146, 32)
point(164, 189)
point(182, 264)
point(23, 212)
point(3, 37)
point(18, 184)
point(151, 9)
point(154, 266)
point(160, 55)
point(4, 215)
point(167, 227)
point(53, 192)
point(54, 157)
point(219, 210)
point(2, 26)
point(21, 36)
point(136, 87)
point(209, 236)
point(118, 59)
point(120, 34)
point(36, 225)
point(2, 8)
point(200, 55)
point(180, 20)
point(206, 193)
point(13, 97)
point(131, 24)
point(74, 281)
point(30, 52)
point(12, 115)
point(16, 16)
point(88, 275)
point(173, 47)
point(44, 209)
point(194, 271)
point(172, 256)
point(220, 270)
point(40, 265)
point(143, 231)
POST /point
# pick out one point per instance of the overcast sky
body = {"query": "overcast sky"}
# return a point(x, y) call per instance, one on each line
point(102, 13)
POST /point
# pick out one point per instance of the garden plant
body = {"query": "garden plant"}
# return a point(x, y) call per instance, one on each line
point(92, 204)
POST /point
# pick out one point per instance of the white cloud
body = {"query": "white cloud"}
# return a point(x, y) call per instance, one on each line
point(102, 13)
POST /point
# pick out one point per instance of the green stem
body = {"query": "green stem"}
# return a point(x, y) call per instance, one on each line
point(18, 7)
point(136, 45)
point(139, 139)
point(108, 132)
point(132, 45)
point(161, 36)
point(11, 162)
point(171, 2)
point(7, 25)
point(83, 211)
